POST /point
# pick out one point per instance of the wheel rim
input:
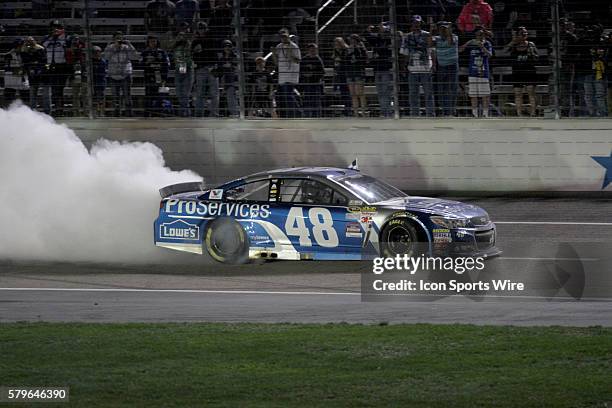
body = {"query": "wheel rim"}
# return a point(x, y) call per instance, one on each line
point(399, 240)
point(226, 240)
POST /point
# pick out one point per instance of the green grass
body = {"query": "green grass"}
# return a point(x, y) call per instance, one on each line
point(179, 365)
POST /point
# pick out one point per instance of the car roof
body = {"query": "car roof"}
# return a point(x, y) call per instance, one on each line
point(327, 172)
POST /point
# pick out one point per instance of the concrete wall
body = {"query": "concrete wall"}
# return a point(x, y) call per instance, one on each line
point(423, 155)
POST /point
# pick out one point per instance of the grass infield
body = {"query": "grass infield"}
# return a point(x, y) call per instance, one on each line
point(180, 365)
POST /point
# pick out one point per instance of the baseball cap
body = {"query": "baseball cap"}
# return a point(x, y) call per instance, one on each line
point(416, 18)
point(446, 24)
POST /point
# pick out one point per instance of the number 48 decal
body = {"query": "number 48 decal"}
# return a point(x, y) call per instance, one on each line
point(322, 226)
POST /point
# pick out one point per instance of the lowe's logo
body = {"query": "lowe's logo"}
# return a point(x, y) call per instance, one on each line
point(179, 229)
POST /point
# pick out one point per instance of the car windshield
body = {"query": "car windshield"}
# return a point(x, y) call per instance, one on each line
point(369, 188)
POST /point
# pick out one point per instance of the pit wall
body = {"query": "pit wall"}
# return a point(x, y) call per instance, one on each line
point(414, 155)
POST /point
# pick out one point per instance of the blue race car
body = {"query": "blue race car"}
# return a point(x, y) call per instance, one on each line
point(320, 213)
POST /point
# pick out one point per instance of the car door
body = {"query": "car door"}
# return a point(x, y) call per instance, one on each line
point(315, 218)
point(248, 204)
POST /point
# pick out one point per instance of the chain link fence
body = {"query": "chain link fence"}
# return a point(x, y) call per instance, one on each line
point(258, 59)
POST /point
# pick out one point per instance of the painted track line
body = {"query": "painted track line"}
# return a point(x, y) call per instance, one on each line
point(256, 292)
point(238, 292)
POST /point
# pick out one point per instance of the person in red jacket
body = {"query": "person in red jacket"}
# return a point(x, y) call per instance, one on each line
point(475, 13)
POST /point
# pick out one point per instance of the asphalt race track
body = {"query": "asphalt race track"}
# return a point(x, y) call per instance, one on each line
point(560, 249)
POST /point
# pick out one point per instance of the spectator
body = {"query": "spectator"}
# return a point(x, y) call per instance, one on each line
point(34, 59)
point(416, 48)
point(57, 70)
point(119, 55)
point(156, 64)
point(584, 68)
point(430, 9)
point(447, 57)
point(355, 78)
point(595, 86)
point(261, 89)
point(600, 85)
point(75, 57)
point(475, 13)
point(480, 50)
point(183, 72)
point(221, 20)
point(16, 84)
point(187, 12)
point(608, 45)
point(295, 17)
point(568, 52)
point(204, 50)
point(341, 67)
point(524, 55)
point(312, 73)
point(228, 65)
point(380, 41)
point(287, 58)
point(159, 20)
point(99, 70)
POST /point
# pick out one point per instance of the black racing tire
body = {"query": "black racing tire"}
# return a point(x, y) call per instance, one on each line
point(399, 237)
point(227, 242)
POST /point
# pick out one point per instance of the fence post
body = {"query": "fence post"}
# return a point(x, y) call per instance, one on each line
point(241, 72)
point(395, 57)
point(556, 51)
point(88, 61)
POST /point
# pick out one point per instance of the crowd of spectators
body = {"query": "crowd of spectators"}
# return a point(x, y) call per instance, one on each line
point(192, 48)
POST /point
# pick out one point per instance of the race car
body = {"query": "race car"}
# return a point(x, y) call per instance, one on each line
point(316, 213)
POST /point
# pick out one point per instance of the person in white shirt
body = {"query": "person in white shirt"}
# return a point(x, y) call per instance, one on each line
point(287, 58)
point(416, 49)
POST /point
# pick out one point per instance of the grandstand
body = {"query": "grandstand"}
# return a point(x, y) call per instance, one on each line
point(253, 28)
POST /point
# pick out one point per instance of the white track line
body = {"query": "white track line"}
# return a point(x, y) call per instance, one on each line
point(256, 292)
point(240, 292)
point(604, 224)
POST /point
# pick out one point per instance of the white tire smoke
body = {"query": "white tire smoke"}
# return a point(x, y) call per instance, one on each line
point(61, 202)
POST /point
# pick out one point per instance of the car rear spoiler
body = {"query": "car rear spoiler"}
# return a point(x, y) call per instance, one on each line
point(182, 188)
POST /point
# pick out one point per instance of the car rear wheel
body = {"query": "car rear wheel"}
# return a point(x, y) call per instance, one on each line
point(399, 237)
point(227, 242)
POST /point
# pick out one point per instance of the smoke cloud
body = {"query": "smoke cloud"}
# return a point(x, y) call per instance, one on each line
point(61, 202)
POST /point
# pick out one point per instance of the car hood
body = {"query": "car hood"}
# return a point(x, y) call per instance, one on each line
point(436, 206)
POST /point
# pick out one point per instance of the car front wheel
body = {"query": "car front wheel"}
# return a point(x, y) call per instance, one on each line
point(399, 237)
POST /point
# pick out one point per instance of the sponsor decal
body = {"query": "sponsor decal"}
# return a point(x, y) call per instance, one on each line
point(353, 230)
point(362, 209)
point(259, 238)
point(461, 234)
point(355, 203)
point(440, 230)
point(442, 236)
point(363, 214)
point(366, 219)
point(183, 207)
point(273, 194)
point(216, 194)
point(179, 229)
